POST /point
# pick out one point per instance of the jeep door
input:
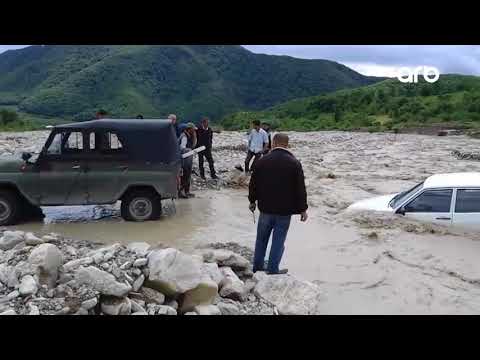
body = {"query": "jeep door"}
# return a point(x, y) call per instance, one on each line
point(107, 165)
point(61, 168)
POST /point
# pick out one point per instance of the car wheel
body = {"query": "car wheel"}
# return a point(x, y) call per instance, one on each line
point(141, 205)
point(9, 207)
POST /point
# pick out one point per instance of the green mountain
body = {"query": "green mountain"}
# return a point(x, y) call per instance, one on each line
point(72, 82)
point(386, 105)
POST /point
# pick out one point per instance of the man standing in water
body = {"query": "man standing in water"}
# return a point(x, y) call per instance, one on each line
point(173, 119)
point(278, 185)
point(187, 142)
point(268, 130)
point(257, 144)
point(205, 138)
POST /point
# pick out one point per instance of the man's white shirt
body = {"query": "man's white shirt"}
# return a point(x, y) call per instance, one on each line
point(256, 140)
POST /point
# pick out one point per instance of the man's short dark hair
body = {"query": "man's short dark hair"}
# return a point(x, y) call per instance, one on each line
point(139, 116)
point(256, 122)
point(102, 112)
point(205, 118)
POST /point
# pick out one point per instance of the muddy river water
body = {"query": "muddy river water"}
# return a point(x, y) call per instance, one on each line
point(365, 263)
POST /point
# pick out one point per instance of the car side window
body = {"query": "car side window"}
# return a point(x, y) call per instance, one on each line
point(436, 201)
point(468, 201)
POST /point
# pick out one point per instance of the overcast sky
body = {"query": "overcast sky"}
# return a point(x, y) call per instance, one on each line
point(377, 60)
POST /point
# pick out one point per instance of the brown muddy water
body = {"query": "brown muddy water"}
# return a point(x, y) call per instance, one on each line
point(365, 263)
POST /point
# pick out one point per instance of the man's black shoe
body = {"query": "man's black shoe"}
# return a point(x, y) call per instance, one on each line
point(279, 272)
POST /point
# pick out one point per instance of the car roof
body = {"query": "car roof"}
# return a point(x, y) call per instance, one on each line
point(454, 180)
point(119, 124)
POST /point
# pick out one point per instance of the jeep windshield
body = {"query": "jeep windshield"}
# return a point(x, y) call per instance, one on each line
point(401, 197)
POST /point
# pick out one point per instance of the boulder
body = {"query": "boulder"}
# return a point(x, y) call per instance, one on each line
point(28, 286)
point(173, 272)
point(231, 286)
point(212, 270)
point(137, 284)
point(111, 305)
point(32, 240)
point(225, 258)
point(228, 308)
point(140, 262)
point(203, 294)
point(139, 248)
point(9, 312)
point(47, 259)
point(207, 310)
point(152, 296)
point(165, 310)
point(288, 294)
point(101, 281)
point(136, 307)
point(89, 304)
point(74, 264)
point(10, 239)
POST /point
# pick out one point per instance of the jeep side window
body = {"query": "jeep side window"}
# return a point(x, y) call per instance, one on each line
point(74, 142)
point(105, 142)
point(114, 142)
point(431, 201)
point(55, 147)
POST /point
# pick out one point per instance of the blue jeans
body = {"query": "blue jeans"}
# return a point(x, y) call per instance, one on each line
point(267, 223)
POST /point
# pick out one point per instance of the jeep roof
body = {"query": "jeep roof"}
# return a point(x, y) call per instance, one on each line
point(145, 139)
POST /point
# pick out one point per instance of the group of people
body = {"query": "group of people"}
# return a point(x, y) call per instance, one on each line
point(191, 137)
point(276, 188)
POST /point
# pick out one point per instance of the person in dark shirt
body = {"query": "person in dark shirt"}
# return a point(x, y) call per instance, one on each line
point(101, 114)
point(187, 142)
point(278, 186)
point(205, 138)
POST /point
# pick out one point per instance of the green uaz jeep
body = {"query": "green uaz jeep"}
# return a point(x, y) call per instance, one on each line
point(96, 162)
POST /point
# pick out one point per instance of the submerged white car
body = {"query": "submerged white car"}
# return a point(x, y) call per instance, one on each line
point(449, 199)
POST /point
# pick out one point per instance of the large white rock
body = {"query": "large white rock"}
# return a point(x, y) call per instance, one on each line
point(47, 259)
point(225, 258)
point(165, 310)
point(116, 306)
point(152, 296)
point(173, 272)
point(10, 239)
point(212, 271)
point(290, 295)
point(203, 294)
point(101, 281)
point(9, 276)
point(231, 286)
point(28, 286)
point(207, 310)
point(9, 312)
point(139, 248)
point(228, 308)
point(32, 240)
point(74, 264)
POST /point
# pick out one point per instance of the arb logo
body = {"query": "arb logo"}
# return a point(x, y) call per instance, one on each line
point(407, 75)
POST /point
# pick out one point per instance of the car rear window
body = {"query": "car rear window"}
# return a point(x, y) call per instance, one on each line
point(436, 201)
point(468, 201)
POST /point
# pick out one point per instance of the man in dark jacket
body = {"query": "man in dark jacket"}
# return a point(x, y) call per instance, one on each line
point(278, 185)
point(205, 138)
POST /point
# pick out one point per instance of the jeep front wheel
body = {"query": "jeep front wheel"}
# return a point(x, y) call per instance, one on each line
point(141, 205)
point(9, 208)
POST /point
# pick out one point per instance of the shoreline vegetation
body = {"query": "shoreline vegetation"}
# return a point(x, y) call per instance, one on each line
point(388, 106)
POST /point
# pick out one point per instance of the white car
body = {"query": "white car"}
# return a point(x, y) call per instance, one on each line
point(449, 199)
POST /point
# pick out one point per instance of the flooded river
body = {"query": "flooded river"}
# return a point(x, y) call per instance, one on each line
point(365, 263)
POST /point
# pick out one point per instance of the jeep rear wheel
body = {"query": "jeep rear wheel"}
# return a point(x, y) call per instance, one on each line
point(141, 205)
point(9, 207)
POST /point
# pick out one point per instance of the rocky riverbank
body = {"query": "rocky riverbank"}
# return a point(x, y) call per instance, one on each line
point(53, 275)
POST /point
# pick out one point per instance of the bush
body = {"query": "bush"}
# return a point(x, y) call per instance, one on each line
point(7, 117)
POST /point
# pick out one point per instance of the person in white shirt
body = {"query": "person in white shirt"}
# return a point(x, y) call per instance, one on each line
point(257, 144)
